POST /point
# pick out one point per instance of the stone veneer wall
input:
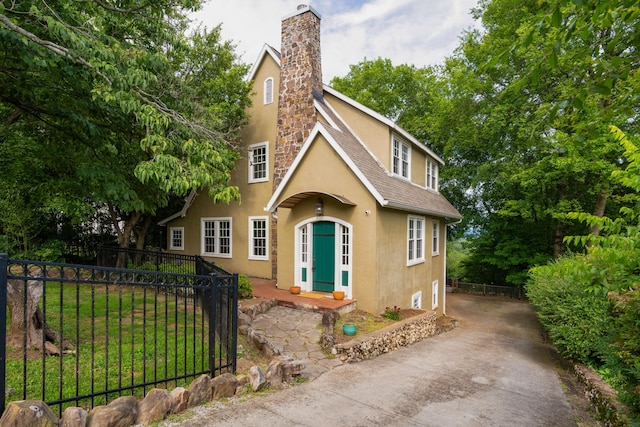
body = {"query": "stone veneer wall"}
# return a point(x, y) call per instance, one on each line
point(387, 339)
point(300, 76)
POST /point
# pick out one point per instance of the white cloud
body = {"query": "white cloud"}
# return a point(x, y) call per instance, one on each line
point(418, 32)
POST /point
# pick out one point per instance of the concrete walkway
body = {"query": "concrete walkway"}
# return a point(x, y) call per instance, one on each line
point(494, 369)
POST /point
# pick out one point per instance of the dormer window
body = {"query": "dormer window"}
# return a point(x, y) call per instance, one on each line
point(432, 175)
point(268, 91)
point(401, 157)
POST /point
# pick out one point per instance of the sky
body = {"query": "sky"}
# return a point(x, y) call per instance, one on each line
point(414, 32)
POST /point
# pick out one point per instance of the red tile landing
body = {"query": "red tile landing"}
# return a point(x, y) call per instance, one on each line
point(264, 288)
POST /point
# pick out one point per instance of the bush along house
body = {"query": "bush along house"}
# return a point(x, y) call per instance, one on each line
point(334, 195)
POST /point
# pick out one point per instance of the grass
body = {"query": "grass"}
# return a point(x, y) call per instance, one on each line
point(121, 336)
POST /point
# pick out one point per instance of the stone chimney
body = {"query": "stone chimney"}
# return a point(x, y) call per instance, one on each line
point(300, 76)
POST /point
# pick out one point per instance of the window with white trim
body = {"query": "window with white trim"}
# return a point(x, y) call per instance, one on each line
point(176, 238)
point(401, 155)
point(345, 244)
point(432, 175)
point(304, 244)
point(216, 237)
point(415, 240)
point(434, 295)
point(258, 162)
point(416, 300)
point(268, 90)
point(258, 237)
point(435, 238)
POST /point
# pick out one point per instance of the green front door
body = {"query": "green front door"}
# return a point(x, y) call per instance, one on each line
point(324, 258)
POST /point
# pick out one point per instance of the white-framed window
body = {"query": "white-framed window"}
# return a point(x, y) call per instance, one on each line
point(432, 175)
point(434, 295)
point(435, 238)
point(258, 237)
point(216, 237)
point(345, 244)
point(259, 162)
point(304, 244)
point(268, 90)
point(416, 300)
point(401, 156)
point(415, 240)
point(176, 238)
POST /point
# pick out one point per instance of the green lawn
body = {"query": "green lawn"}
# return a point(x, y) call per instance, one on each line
point(123, 336)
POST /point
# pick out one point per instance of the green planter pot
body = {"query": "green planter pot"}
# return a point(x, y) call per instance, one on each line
point(349, 329)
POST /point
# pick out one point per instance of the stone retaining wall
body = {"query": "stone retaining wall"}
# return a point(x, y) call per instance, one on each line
point(602, 397)
point(387, 339)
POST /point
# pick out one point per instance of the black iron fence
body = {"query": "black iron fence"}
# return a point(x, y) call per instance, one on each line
point(79, 335)
point(113, 256)
point(490, 290)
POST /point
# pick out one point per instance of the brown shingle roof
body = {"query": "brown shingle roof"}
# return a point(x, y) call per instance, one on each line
point(395, 192)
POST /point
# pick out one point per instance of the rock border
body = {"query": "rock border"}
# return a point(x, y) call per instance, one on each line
point(389, 338)
point(601, 396)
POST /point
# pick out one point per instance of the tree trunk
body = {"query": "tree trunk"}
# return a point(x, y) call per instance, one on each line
point(558, 240)
point(28, 326)
point(124, 233)
point(141, 232)
point(598, 209)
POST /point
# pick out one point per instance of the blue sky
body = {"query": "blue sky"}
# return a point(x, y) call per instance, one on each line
point(418, 32)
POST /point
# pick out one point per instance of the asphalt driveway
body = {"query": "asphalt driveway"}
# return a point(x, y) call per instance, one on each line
point(493, 369)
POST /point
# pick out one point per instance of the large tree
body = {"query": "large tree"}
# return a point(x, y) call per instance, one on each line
point(520, 115)
point(122, 106)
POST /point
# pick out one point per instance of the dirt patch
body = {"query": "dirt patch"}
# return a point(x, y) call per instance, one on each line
point(367, 323)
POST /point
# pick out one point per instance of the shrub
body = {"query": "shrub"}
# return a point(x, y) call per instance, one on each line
point(392, 313)
point(245, 289)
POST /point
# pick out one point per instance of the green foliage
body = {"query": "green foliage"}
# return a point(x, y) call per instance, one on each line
point(114, 109)
point(457, 254)
point(590, 303)
point(392, 313)
point(245, 289)
point(575, 319)
point(52, 251)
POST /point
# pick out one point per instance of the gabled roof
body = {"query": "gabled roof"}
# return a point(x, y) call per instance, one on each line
point(388, 190)
point(183, 212)
point(266, 50)
point(393, 125)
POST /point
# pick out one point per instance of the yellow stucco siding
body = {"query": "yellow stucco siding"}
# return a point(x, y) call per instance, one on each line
point(254, 196)
point(376, 134)
point(322, 169)
point(397, 281)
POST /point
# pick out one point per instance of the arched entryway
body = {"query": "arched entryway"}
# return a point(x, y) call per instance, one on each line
point(323, 250)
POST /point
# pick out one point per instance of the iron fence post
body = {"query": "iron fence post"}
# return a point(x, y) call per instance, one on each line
point(234, 325)
point(4, 263)
point(213, 297)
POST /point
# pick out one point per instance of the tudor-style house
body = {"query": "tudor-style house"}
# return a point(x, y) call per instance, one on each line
point(334, 195)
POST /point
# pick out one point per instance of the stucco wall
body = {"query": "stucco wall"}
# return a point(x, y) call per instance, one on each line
point(254, 196)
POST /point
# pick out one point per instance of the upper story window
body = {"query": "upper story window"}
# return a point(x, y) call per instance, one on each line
point(216, 237)
point(415, 240)
point(258, 162)
point(401, 156)
point(432, 175)
point(268, 90)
